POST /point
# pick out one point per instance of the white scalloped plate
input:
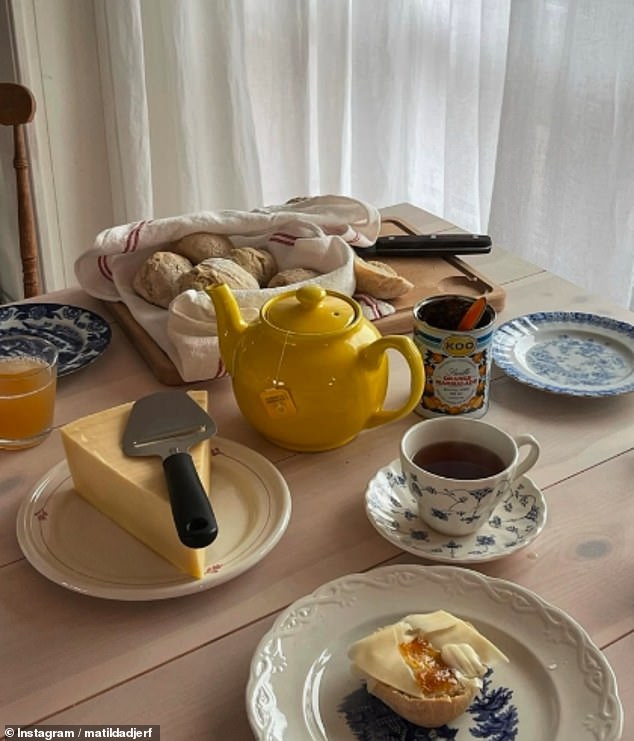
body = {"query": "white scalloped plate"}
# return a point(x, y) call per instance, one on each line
point(557, 686)
point(391, 508)
point(76, 546)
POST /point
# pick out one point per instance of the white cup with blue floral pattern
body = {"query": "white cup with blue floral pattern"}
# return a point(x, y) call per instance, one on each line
point(458, 470)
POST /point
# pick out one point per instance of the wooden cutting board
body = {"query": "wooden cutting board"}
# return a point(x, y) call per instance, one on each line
point(430, 275)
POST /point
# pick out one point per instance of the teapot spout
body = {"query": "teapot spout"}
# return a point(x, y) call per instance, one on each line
point(230, 323)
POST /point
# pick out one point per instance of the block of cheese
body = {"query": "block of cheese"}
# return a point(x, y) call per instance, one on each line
point(132, 491)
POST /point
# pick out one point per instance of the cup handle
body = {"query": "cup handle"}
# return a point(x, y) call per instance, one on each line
point(531, 457)
point(371, 356)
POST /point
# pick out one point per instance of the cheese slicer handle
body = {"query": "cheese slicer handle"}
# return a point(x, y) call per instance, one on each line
point(193, 516)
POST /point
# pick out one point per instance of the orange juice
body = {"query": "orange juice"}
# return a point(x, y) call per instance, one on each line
point(27, 400)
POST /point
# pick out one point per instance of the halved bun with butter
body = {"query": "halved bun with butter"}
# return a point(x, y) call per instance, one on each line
point(426, 667)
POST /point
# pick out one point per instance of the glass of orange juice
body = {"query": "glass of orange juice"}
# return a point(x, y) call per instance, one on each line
point(28, 379)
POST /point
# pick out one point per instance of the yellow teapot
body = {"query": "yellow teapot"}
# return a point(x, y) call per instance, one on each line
point(311, 372)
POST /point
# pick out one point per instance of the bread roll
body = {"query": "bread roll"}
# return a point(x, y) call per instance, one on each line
point(214, 271)
point(157, 280)
point(259, 263)
point(379, 280)
point(429, 712)
point(203, 245)
point(291, 276)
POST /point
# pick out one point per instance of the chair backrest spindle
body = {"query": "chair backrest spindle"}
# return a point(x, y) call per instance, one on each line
point(17, 108)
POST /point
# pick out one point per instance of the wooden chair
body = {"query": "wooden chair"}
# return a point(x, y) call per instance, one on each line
point(17, 107)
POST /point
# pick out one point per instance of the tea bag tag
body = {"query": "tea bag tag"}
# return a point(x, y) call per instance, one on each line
point(278, 403)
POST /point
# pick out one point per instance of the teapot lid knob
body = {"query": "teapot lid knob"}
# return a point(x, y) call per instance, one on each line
point(311, 295)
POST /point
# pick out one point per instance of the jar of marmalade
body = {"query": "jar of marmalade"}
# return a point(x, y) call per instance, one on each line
point(457, 362)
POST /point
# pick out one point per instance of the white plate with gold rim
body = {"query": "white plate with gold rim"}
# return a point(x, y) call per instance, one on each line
point(76, 546)
point(557, 686)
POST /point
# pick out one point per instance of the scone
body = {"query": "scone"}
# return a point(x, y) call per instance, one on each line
point(259, 263)
point(214, 271)
point(379, 280)
point(426, 667)
point(203, 245)
point(157, 280)
point(291, 276)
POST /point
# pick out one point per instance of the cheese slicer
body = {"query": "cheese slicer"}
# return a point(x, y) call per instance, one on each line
point(167, 424)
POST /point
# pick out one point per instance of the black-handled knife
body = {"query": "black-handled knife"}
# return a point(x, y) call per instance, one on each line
point(427, 245)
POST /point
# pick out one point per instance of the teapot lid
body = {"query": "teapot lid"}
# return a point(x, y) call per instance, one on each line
point(311, 310)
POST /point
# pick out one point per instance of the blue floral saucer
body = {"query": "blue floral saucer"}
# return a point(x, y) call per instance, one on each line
point(80, 335)
point(516, 521)
point(569, 353)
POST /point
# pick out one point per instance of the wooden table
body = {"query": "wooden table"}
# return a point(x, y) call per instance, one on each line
point(183, 663)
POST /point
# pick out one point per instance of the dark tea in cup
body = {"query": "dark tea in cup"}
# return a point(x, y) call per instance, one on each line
point(459, 460)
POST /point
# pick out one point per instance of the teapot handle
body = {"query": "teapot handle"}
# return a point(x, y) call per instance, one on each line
point(372, 355)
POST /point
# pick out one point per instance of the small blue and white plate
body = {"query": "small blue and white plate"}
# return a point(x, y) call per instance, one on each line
point(568, 353)
point(515, 522)
point(80, 335)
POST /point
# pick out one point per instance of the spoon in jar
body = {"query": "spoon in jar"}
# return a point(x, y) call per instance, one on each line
point(473, 315)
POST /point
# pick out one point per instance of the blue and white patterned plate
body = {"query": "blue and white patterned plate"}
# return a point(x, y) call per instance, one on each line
point(557, 685)
point(80, 335)
point(568, 353)
point(516, 521)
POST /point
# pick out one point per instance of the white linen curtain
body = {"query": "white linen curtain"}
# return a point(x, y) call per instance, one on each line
point(508, 116)
point(564, 176)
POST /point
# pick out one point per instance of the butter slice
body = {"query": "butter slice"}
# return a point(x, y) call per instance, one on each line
point(378, 657)
point(132, 491)
point(443, 630)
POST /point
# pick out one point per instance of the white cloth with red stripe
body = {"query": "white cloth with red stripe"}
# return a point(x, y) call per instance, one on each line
point(311, 232)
